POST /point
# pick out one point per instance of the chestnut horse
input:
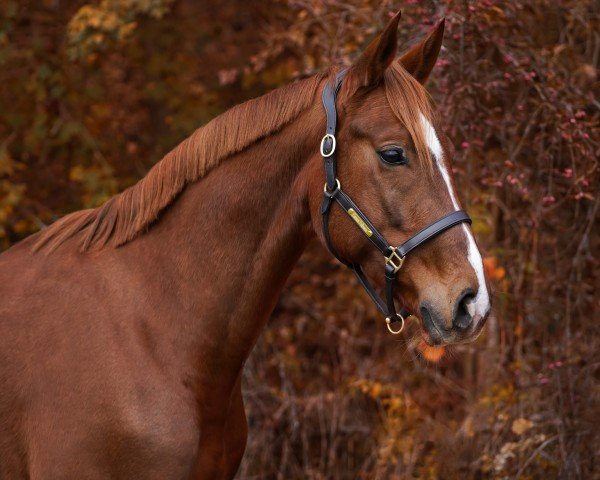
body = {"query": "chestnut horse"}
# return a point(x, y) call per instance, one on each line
point(124, 329)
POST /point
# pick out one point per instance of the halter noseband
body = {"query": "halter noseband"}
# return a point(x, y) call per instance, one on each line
point(394, 256)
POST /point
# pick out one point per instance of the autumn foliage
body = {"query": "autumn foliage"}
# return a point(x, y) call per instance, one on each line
point(93, 93)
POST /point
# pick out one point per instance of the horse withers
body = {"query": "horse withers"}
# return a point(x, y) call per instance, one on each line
point(124, 329)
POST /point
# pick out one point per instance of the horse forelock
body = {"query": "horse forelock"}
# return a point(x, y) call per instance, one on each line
point(405, 96)
point(410, 103)
point(129, 213)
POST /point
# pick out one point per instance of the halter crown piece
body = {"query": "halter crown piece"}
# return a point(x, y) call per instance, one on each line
point(394, 256)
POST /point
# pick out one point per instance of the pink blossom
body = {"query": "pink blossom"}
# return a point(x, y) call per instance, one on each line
point(567, 172)
point(548, 199)
point(228, 76)
point(465, 145)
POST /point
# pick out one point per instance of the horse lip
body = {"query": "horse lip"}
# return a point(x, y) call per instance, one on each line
point(435, 335)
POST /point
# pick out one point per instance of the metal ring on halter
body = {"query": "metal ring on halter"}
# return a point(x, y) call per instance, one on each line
point(388, 322)
point(333, 145)
point(337, 186)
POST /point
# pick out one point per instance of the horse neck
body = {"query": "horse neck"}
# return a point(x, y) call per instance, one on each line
point(222, 252)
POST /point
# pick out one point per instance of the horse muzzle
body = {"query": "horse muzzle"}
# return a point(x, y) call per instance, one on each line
point(464, 326)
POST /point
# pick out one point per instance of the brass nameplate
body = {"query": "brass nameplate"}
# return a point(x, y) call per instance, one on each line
point(360, 222)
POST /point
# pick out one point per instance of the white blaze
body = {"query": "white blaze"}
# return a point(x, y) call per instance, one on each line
point(479, 307)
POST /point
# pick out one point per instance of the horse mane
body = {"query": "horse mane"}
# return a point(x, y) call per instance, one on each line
point(132, 211)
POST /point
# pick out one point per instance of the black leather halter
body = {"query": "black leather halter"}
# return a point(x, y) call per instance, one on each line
point(394, 256)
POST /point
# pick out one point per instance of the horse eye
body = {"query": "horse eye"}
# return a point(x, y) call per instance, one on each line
point(393, 156)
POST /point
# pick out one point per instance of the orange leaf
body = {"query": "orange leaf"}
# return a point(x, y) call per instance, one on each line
point(431, 354)
point(492, 270)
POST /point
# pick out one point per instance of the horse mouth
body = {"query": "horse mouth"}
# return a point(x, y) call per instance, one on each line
point(436, 336)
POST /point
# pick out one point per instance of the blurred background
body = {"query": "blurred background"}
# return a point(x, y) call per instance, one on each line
point(93, 93)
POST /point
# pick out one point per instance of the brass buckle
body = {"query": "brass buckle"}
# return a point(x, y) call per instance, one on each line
point(388, 322)
point(331, 137)
point(395, 260)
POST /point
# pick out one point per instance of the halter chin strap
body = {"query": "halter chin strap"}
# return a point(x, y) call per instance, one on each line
point(394, 256)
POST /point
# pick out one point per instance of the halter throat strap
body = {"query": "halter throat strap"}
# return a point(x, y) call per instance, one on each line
point(394, 256)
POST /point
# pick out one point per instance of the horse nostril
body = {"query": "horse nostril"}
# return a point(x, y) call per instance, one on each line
point(462, 318)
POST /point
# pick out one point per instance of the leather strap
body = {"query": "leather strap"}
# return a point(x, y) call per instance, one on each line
point(333, 192)
point(433, 230)
point(348, 204)
point(328, 145)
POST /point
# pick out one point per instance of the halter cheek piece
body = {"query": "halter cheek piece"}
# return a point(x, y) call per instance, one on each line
point(394, 256)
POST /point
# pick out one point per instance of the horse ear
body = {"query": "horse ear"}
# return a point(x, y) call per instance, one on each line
point(369, 67)
point(421, 58)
